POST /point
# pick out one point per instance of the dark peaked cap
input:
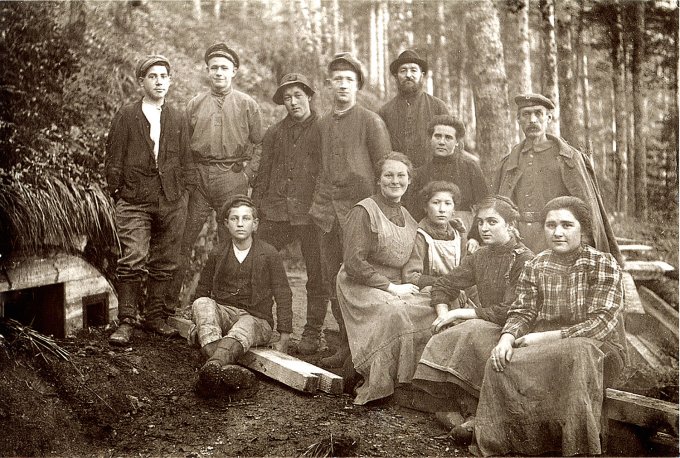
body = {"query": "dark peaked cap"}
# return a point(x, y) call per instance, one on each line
point(149, 61)
point(222, 50)
point(407, 57)
point(290, 79)
point(530, 100)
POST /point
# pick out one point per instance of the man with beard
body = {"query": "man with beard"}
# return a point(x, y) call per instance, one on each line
point(543, 167)
point(408, 115)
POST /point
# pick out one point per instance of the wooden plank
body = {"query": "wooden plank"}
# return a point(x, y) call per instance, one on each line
point(659, 309)
point(643, 351)
point(632, 304)
point(33, 272)
point(280, 369)
point(647, 270)
point(642, 411)
point(328, 382)
point(279, 366)
point(639, 248)
point(625, 241)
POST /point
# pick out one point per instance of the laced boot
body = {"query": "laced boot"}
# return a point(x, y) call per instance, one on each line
point(220, 374)
point(310, 342)
point(128, 295)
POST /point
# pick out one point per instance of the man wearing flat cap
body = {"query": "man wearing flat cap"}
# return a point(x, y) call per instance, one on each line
point(283, 191)
point(409, 113)
point(225, 139)
point(353, 140)
point(543, 167)
point(148, 168)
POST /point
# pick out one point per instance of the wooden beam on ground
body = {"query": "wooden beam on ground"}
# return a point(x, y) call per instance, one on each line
point(281, 366)
point(632, 304)
point(643, 350)
point(647, 270)
point(635, 248)
point(642, 411)
point(625, 241)
point(284, 368)
point(659, 309)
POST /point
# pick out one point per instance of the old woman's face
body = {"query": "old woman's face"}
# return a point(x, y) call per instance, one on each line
point(562, 231)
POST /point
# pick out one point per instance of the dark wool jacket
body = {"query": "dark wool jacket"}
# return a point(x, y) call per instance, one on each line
point(289, 167)
point(578, 177)
point(268, 280)
point(131, 170)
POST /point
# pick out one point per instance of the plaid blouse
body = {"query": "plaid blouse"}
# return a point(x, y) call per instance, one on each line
point(581, 295)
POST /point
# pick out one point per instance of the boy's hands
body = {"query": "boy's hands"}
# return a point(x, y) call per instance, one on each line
point(282, 344)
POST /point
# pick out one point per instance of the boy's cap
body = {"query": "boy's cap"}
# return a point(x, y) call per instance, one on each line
point(352, 61)
point(289, 79)
point(407, 57)
point(530, 100)
point(235, 201)
point(148, 62)
point(222, 50)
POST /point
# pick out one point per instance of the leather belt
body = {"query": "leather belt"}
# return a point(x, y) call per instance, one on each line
point(530, 217)
point(236, 167)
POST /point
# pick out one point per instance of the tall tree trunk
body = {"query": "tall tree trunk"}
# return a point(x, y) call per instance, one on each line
point(640, 113)
point(569, 126)
point(380, 49)
point(217, 8)
point(385, 48)
point(489, 83)
point(197, 9)
point(443, 86)
point(550, 78)
point(373, 46)
point(584, 85)
point(524, 56)
point(337, 35)
point(618, 79)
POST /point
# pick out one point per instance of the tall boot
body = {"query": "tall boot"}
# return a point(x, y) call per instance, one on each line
point(155, 314)
point(342, 352)
point(221, 374)
point(128, 299)
point(316, 313)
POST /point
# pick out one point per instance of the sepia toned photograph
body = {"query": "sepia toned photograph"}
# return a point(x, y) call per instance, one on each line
point(323, 228)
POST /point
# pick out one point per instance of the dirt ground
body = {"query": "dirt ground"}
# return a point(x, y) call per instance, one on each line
point(139, 401)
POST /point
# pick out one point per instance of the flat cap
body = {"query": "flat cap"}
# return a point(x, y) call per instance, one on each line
point(288, 80)
point(348, 58)
point(235, 200)
point(407, 57)
point(530, 100)
point(149, 61)
point(221, 50)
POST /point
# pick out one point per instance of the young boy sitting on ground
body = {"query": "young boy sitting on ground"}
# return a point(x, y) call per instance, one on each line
point(233, 311)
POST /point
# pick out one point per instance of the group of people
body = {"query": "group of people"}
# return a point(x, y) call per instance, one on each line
point(504, 292)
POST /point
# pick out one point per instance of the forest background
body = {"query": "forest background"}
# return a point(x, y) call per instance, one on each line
point(611, 66)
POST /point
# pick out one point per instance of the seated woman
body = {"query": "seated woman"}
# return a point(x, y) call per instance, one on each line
point(387, 321)
point(562, 344)
point(452, 364)
point(439, 246)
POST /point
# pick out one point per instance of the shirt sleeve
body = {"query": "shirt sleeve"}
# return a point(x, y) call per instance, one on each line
point(479, 187)
point(358, 239)
point(261, 182)
point(412, 272)
point(605, 301)
point(379, 144)
point(205, 281)
point(255, 135)
point(282, 294)
point(524, 310)
point(447, 287)
point(116, 146)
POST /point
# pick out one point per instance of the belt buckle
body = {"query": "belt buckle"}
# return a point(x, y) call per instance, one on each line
point(237, 167)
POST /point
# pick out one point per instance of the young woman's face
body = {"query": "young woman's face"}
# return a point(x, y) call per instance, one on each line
point(562, 231)
point(440, 208)
point(492, 227)
point(394, 180)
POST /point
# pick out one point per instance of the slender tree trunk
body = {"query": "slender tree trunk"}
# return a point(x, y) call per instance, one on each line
point(197, 9)
point(380, 49)
point(443, 85)
point(640, 113)
point(373, 46)
point(524, 47)
point(337, 35)
point(569, 126)
point(489, 83)
point(584, 85)
point(386, 48)
point(619, 78)
point(217, 8)
point(550, 78)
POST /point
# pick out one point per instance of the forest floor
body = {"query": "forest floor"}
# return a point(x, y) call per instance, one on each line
point(108, 401)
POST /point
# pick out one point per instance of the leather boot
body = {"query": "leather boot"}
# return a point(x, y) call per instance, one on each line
point(316, 313)
point(342, 352)
point(155, 309)
point(128, 297)
point(220, 374)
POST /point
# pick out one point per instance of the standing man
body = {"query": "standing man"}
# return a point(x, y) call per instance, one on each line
point(353, 139)
point(225, 139)
point(283, 192)
point(147, 168)
point(543, 167)
point(409, 113)
point(449, 162)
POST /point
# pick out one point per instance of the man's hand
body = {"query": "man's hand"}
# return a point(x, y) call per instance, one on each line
point(501, 355)
point(282, 344)
point(402, 290)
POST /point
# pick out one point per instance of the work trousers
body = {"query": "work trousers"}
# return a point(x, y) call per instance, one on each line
point(331, 256)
